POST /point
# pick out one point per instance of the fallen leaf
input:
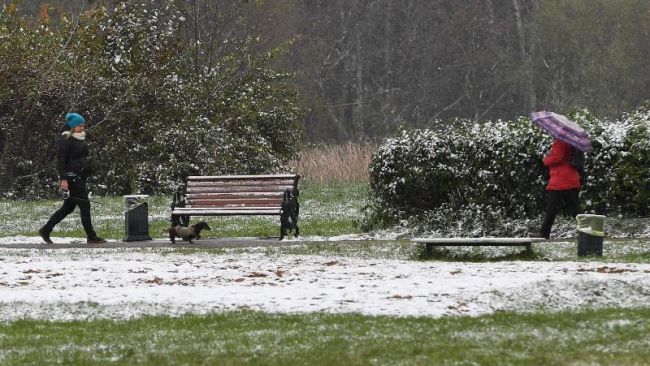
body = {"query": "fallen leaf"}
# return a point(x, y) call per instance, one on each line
point(400, 297)
point(257, 274)
point(460, 306)
point(180, 282)
point(156, 280)
point(606, 269)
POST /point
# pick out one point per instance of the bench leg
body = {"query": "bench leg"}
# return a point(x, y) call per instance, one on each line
point(529, 248)
point(428, 248)
point(182, 220)
point(179, 201)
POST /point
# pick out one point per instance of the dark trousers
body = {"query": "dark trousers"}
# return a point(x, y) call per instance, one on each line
point(78, 197)
point(555, 201)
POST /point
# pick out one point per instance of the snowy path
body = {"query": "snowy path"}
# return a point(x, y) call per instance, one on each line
point(67, 284)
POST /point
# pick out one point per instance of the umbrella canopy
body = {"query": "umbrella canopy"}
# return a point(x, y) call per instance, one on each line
point(563, 129)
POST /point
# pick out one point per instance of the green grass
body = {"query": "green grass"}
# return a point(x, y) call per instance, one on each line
point(637, 258)
point(325, 210)
point(622, 250)
point(595, 337)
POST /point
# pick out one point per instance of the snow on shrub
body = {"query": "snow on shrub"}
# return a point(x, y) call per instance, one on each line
point(477, 178)
point(158, 107)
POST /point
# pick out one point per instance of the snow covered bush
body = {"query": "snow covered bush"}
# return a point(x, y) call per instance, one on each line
point(158, 105)
point(236, 116)
point(481, 176)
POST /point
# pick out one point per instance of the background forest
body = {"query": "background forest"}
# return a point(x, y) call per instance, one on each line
point(272, 72)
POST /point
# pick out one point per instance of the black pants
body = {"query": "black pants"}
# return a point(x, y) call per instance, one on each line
point(78, 197)
point(555, 201)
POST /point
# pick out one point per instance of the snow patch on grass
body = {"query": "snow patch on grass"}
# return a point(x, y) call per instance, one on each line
point(79, 284)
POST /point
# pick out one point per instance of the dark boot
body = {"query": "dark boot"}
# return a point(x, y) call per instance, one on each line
point(95, 240)
point(45, 235)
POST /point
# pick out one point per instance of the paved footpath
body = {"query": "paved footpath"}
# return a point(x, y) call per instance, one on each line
point(165, 243)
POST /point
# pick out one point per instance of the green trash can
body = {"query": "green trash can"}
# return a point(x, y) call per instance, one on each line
point(591, 231)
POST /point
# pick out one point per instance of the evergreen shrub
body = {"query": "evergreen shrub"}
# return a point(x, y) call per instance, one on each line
point(159, 106)
point(479, 178)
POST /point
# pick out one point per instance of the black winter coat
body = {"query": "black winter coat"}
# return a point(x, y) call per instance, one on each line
point(71, 157)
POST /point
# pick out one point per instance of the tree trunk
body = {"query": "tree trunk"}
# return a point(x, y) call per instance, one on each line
point(528, 87)
point(358, 75)
point(388, 50)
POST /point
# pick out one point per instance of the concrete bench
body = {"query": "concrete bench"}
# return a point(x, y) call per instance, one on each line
point(433, 242)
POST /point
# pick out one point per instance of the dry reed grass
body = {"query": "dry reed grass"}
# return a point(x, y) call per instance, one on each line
point(342, 163)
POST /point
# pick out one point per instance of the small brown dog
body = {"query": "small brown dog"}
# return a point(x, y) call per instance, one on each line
point(187, 233)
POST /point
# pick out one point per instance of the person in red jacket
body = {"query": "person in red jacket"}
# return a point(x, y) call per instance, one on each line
point(563, 188)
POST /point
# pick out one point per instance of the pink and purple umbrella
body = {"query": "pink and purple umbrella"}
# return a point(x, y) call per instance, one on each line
point(563, 129)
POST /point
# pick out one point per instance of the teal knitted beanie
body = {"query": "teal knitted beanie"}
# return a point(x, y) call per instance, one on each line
point(74, 119)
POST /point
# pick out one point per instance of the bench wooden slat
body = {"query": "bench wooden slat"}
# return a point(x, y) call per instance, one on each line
point(233, 202)
point(234, 195)
point(230, 189)
point(251, 183)
point(227, 212)
point(241, 177)
point(239, 189)
point(261, 208)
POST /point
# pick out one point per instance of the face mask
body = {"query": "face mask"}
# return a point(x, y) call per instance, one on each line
point(79, 135)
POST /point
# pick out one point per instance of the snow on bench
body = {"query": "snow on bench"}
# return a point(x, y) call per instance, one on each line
point(432, 242)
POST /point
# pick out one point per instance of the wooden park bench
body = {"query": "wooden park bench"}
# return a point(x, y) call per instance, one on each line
point(231, 195)
point(433, 242)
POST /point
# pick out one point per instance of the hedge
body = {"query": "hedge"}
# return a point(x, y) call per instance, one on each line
point(157, 108)
point(479, 177)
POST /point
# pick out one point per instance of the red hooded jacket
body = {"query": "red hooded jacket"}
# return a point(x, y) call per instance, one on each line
point(563, 175)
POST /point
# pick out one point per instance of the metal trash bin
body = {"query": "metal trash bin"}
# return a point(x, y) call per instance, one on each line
point(591, 230)
point(136, 218)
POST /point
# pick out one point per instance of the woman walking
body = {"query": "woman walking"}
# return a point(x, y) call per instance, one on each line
point(72, 152)
point(563, 189)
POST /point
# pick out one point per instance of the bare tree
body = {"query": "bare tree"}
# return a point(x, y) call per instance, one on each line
point(526, 49)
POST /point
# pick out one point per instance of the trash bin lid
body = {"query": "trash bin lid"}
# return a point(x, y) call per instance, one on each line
point(591, 224)
point(134, 199)
point(591, 216)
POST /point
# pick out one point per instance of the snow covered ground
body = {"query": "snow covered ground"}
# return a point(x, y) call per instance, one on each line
point(80, 283)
